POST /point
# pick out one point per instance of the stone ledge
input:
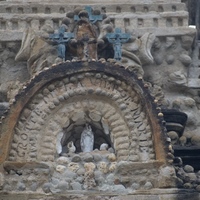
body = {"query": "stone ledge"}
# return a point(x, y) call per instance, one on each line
point(30, 16)
point(14, 35)
point(12, 165)
point(154, 194)
point(59, 7)
point(8, 165)
point(102, 2)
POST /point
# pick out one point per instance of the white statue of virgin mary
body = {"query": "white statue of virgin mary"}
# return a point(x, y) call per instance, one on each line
point(87, 139)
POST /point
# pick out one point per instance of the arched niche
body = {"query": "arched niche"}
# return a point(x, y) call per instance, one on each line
point(60, 100)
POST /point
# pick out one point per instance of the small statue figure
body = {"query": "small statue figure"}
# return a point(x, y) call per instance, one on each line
point(104, 147)
point(87, 139)
point(85, 42)
point(71, 147)
point(58, 142)
point(117, 38)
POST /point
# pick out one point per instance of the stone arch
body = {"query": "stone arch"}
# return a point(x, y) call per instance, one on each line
point(52, 100)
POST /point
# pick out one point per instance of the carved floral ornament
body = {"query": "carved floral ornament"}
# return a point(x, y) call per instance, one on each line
point(62, 99)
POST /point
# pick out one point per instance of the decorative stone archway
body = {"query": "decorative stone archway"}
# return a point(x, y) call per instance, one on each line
point(76, 93)
point(53, 109)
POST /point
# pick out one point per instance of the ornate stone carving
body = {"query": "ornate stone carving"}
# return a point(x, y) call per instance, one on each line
point(127, 128)
point(90, 42)
point(53, 118)
point(40, 137)
point(120, 128)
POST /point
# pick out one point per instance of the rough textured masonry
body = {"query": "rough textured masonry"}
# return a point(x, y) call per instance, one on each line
point(99, 100)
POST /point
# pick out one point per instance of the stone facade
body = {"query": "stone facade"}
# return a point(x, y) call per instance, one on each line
point(140, 108)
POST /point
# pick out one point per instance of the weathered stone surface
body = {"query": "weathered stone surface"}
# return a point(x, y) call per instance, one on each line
point(188, 169)
point(110, 179)
point(185, 59)
point(112, 157)
point(192, 177)
point(60, 168)
point(88, 157)
point(148, 186)
point(34, 187)
point(21, 186)
point(2, 180)
point(198, 188)
point(187, 186)
point(89, 181)
point(170, 59)
point(119, 189)
point(73, 166)
point(190, 196)
point(76, 186)
point(112, 167)
point(195, 140)
point(99, 178)
point(46, 187)
point(76, 158)
point(95, 116)
point(63, 160)
point(103, 167)
point(167, 177)
point(63, 186)
point(97, 157)
point(135, 186)
point(81, 171)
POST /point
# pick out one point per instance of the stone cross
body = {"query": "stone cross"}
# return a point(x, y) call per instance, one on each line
point(61, 38)
point(92, 18)
point(117, 38)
